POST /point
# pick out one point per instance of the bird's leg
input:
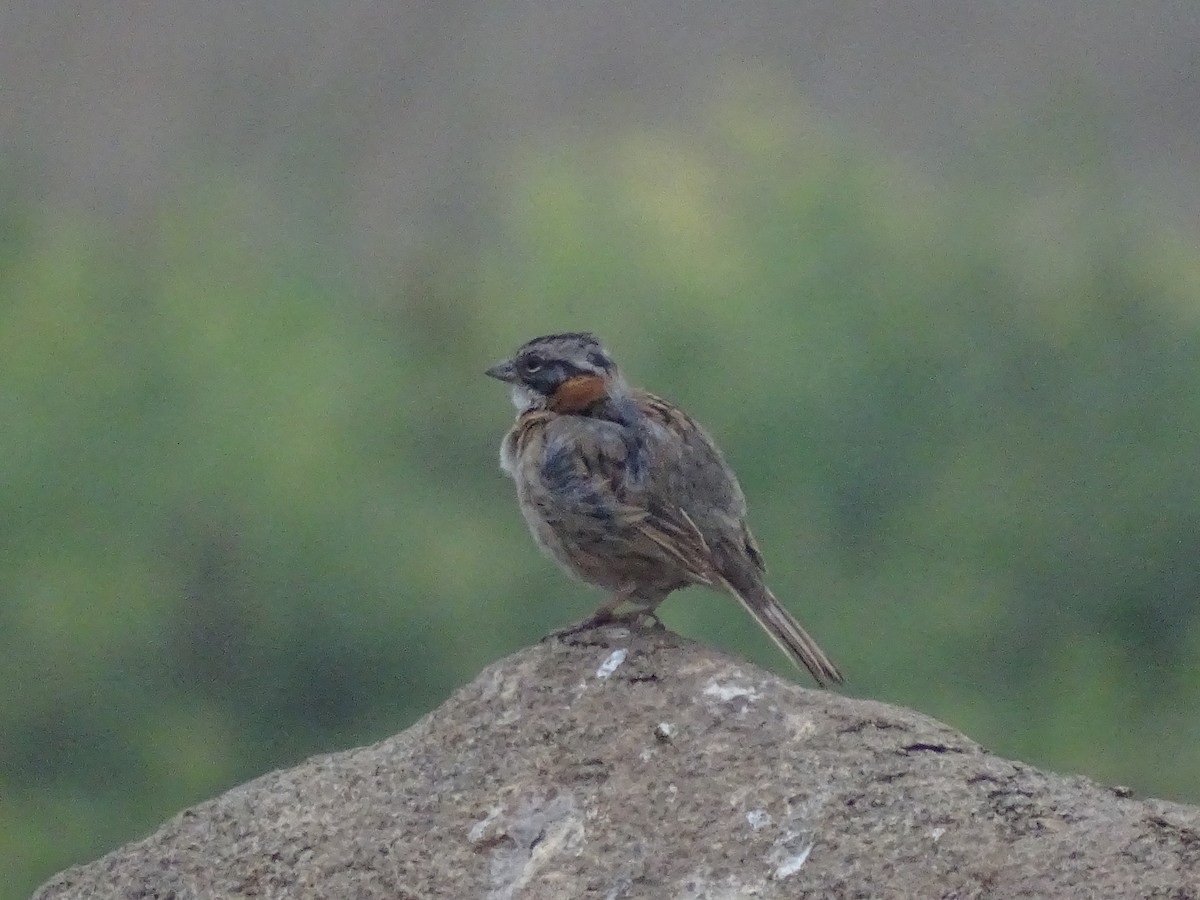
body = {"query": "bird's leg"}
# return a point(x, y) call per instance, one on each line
point(652, 614)
point(604, 615)
point(642, 612)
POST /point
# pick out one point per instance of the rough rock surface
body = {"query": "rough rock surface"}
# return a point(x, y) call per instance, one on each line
point(640, 765)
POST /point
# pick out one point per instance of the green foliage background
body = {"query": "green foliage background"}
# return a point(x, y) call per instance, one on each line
point(251, 510)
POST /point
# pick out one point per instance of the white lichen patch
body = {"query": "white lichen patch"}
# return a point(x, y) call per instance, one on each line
point(759, 819)
point(480, 829)
point(800, 726)
point(790, 865)
point(730, 691)
point(611, 664)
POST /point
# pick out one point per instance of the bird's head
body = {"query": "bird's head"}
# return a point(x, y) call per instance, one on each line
point(565, 373)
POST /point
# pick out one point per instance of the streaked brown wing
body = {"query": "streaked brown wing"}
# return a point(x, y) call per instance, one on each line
point(585, 465)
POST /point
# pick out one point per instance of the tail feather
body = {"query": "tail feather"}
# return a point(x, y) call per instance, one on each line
point(786, 632)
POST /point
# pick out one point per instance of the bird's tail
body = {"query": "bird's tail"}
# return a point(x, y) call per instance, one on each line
point(785, 630)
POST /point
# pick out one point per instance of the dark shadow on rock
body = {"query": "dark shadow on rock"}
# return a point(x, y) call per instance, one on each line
point(639, 765)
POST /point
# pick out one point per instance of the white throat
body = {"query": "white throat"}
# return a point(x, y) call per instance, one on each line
point(523, 398)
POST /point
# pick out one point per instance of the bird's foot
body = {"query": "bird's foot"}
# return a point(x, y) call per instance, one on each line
point(636, 615)
point(598, 619)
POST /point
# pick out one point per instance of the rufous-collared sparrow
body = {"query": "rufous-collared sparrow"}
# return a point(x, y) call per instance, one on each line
point(627, 492)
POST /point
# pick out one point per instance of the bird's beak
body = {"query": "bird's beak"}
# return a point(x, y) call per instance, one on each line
point(504, 371)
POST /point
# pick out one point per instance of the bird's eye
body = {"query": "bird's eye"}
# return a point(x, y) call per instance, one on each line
point(532, 365)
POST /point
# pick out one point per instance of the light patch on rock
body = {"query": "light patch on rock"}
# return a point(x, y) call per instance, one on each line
point(480, 828)
point(619, 889)
point(801, 725)
point(538, 832)
point(759, 819)
point(793, 864)
point(610, 665)
point(727, 692)
point(701, 886)
point(500, 692)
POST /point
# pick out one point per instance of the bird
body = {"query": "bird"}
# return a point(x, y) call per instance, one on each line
point(625, 491)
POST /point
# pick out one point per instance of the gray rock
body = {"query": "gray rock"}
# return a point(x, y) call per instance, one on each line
point(640, 765)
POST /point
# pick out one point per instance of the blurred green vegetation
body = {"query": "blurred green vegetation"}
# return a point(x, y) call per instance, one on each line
point(252, 513)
